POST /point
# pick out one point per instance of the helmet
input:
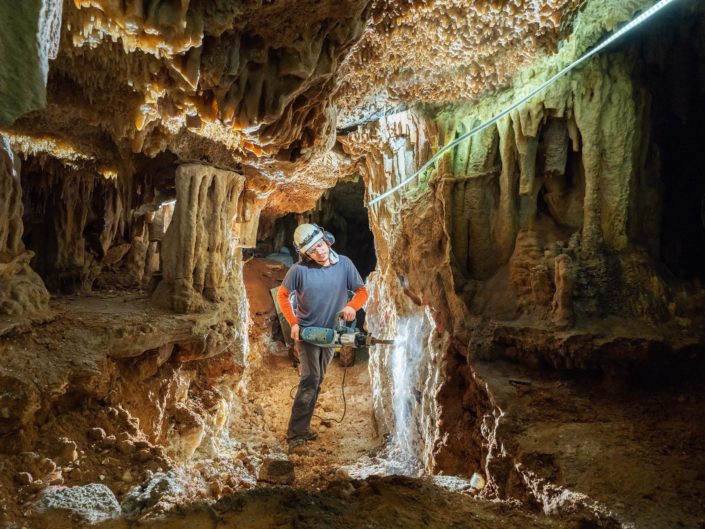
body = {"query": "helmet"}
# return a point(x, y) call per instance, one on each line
point(306, 236)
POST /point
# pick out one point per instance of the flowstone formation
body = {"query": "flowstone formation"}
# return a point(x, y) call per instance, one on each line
point(199, 252)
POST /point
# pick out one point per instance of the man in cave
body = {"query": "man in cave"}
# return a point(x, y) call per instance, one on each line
point(321, 280)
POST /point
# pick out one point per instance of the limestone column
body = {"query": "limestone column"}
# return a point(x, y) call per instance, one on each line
point(250, 207)
point(199, 250)
point(21, 288)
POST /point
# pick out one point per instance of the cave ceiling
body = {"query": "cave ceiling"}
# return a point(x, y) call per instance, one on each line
point(263, 87)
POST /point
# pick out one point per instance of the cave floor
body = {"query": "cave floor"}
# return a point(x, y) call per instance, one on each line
point(638, 453)
point(634, 451)
point(339, 445)
point(218, 487)
point(375, 503)
point(81, 332)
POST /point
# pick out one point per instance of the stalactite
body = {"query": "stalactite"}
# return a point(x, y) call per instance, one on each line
point(268, 95)
point(507, 228)
point(73, 215)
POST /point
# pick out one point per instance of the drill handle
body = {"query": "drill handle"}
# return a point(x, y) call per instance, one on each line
point(342, 325)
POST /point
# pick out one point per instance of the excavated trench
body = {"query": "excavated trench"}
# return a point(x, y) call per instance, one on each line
point(543, 281)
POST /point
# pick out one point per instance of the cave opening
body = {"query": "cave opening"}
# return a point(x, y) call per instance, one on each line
point(673, 73)
point(345, 214)
point(341, 210)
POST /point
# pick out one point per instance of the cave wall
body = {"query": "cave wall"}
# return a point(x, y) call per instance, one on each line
point(29, 39)
point(406, 377)
point(413, 269)
point(538, 241)
point(554, 196)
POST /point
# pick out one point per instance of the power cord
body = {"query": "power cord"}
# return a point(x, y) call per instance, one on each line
point(345, 404)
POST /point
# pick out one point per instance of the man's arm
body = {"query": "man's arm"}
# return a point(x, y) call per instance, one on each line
point(285, 305)
point(355, 304)
point(354, 282)
point(288, 311)
point(358, 299)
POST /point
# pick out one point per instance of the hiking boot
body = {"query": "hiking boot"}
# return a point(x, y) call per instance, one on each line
point(297, 446)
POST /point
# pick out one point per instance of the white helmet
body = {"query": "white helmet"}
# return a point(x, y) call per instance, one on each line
point(306, 236)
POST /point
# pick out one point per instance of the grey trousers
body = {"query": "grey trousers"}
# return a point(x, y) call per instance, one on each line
point(314, 361)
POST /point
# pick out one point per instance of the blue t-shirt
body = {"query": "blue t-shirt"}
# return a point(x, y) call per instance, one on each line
point(321, 291)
